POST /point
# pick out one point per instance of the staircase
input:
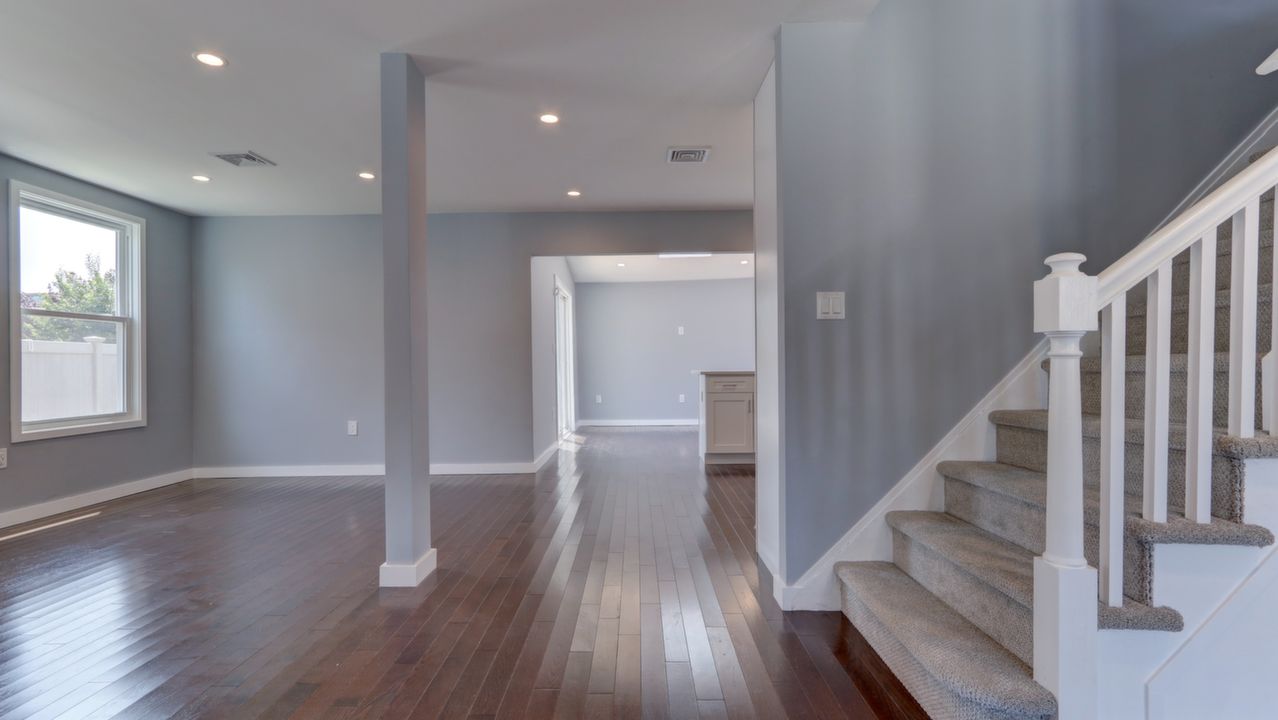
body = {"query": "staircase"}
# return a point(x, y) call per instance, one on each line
point(954, 613)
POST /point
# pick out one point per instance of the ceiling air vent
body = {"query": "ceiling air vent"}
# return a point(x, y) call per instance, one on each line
point(688, 155)
point(247, 158)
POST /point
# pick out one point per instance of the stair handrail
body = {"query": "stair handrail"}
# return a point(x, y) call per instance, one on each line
point(1177, 235)
point(1067, 304)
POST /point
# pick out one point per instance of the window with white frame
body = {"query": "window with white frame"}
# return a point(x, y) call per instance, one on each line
point(76, 326)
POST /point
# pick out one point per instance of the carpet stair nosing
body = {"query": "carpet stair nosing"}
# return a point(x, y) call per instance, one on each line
point(956, 654)
point(955, 540)
point(1228, 446)
point(1030, 487)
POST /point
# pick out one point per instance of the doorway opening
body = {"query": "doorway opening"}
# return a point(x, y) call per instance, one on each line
point(658, 346)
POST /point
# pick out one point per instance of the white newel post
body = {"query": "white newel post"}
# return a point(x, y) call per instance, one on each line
point(1065, 609)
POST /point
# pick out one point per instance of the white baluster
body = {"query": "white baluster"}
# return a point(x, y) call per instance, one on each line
point(1157, 391)
point(1112, 447)
point(1202, 378)
point(1270, 366)
point(1065, 587)
point(1242, 321)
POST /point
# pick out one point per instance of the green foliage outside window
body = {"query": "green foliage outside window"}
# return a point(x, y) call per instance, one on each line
point(92, 293)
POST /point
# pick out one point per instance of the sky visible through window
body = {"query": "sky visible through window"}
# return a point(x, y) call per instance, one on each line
point(51, 242)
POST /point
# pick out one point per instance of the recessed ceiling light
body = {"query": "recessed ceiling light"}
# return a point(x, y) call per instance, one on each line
point(621, 264)
point(574, 193)
point(745, 262)
point(210, 59)
point(367, 176)
point(550, 118)
point(200, 178)
point(670, 256)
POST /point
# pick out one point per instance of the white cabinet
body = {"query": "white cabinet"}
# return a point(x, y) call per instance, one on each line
point(727, 417)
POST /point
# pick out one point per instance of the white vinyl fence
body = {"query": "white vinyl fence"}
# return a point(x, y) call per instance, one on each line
point(70, 379)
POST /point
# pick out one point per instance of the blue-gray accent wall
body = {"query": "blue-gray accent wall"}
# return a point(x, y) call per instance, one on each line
point(930, 159)
point(43, 470)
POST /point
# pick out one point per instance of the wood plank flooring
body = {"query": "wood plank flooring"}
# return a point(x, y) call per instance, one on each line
point(620, 581)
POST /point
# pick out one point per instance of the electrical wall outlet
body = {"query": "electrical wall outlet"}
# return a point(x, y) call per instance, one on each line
point(4, 458)
point(680, 329)
point(683, 398)
point(599, 399)
point(352, 427)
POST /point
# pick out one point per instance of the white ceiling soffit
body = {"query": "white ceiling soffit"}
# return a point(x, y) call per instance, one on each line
point(653, 268)
point(109, 92)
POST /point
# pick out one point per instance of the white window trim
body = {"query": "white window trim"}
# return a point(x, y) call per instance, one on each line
point(131, 269)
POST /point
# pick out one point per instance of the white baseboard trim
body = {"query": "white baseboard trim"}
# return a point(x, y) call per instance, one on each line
point(677, 422)
point(550, 452)
point(61, 505)
point(406, 574)
point(256, 471)
point(920, 489)
point(502, 468)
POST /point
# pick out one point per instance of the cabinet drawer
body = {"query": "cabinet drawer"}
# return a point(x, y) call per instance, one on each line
point(730, 383)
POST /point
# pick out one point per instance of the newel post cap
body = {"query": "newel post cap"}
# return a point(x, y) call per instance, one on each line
point(1065, 300)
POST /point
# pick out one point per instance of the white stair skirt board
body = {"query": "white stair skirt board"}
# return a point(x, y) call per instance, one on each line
point(501, 468)
point(405, 575)
point(256, 471)
point(61, 505)
point(678, 422)
point(1225, 594)
point(921, 488)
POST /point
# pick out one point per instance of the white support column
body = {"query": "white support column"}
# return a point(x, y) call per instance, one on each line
point(409, 555)
point(1065, 587)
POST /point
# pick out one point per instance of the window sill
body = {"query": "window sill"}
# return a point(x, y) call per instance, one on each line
point(71, 429)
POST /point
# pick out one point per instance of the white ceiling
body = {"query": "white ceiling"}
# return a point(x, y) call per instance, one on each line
point(107, 91)
point(651, 268)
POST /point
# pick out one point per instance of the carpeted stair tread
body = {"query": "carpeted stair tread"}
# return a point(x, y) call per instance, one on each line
point(980, 673)
point(1030, 486)
point(1261, 446)
point(1009, 568)
point(1135, 362)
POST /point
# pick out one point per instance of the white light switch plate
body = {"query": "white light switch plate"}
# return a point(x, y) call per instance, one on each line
point(598, 399)
point(352, 427)
point(683, 398)
point(830, 306)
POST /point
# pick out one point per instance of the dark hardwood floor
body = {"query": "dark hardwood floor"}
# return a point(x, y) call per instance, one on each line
point(621, 582)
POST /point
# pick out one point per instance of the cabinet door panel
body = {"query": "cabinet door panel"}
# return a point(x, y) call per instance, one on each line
point(730, 420)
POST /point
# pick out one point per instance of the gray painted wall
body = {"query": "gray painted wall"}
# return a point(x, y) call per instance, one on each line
point(288, 342)
point(544, 371)
point(929, 162)
point(47, 469)
point(630, 351)
point(480, 289)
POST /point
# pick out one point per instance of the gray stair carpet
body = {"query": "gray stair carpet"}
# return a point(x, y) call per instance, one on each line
point(952, 668)
point(952, 614)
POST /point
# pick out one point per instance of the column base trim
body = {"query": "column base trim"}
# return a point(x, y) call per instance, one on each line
point(407, 574)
